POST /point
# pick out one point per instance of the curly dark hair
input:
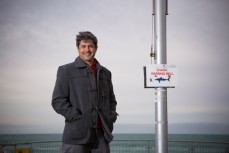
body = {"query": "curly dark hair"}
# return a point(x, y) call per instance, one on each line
point(86, 35)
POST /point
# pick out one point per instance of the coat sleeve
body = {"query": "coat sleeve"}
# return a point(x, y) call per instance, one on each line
point(113, 102)
point(60, 98)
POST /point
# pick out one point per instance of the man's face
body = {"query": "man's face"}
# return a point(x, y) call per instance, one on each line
point(87, 51)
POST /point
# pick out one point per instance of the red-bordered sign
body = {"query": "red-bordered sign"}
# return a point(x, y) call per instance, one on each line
point(160, 75)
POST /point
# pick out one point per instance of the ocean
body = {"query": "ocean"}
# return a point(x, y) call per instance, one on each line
point(21, 138)
point(126, 143)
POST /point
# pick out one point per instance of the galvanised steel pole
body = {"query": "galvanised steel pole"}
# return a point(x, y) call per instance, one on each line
point(161, 127)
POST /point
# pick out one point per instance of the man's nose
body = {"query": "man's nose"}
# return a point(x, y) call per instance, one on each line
point(87, 48)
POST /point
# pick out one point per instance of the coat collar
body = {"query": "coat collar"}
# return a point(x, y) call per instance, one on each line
point(79, 63)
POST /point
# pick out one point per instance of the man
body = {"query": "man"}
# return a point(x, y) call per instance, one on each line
point(84, 95)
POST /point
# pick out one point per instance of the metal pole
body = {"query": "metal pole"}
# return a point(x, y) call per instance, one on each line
point(161, 127)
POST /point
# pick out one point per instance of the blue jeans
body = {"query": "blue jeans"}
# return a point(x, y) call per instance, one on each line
point(101, 147)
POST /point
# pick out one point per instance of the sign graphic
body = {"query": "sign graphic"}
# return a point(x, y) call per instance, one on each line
point(160, 75)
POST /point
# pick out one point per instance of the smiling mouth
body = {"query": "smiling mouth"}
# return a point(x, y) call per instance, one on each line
point(87, 54)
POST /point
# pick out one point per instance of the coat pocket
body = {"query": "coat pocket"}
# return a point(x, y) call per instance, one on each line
point(104, 99)
point(76, 129)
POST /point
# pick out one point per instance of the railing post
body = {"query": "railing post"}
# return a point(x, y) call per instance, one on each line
point(148, 146)
point(227, 149)
point(15, 148)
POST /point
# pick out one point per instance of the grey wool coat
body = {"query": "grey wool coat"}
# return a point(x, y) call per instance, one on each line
point(80, 98)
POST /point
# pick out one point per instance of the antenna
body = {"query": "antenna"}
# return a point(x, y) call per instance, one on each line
point(152, 50)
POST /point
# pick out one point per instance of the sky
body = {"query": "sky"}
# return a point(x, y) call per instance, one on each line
point(39, 36)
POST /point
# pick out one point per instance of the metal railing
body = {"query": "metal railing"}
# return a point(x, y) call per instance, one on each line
point(123, 146)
